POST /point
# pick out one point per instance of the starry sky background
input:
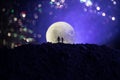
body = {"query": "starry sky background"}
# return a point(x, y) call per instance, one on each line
point(94, 21)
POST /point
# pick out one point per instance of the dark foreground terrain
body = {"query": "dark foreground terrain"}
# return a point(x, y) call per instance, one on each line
point(60, 62)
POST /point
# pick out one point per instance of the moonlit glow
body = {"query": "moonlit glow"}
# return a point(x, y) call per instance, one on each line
point(15, 19)
point(23, 14)
point(82, 1)
point(88, 3)
point(114, 2)
point(9, 34)
point(62, 1)
point(103, 14)
point(52, 0)
point(98, 8)
point(113, 18)
point(59, 4)
point(39, 5)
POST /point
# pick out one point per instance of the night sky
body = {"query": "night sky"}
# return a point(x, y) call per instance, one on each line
point(25, 21)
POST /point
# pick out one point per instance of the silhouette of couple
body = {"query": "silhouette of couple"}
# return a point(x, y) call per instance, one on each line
point(60, 39)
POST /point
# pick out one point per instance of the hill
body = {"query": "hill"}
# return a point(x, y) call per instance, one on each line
point(60, 62)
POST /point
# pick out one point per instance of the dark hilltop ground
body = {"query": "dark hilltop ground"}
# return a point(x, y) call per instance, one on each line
point(60, 62)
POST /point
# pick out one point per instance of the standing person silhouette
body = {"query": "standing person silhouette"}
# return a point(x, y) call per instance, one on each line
point(58, 39)
point(62, 39)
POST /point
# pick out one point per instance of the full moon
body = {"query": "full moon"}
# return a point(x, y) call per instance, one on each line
point(60, 32)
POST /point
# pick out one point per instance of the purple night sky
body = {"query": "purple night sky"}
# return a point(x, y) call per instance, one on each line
point(94, 21)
